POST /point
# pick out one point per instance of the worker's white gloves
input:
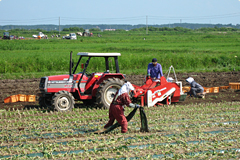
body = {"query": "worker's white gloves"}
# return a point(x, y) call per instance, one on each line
point(134, 105)
point(137, 106)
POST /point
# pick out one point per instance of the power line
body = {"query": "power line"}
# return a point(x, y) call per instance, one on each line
point(135, 19)
point(197, 17)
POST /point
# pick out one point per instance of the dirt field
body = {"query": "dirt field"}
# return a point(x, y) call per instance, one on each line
point(30, 87)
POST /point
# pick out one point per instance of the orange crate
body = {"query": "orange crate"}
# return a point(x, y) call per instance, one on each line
point(233, 85)
point(21, 97)
point(207, 90)
point(7, 100)
point(215, 89)
point(223, 87)
point(186, 89)
point(31, 98)
point(13, 98)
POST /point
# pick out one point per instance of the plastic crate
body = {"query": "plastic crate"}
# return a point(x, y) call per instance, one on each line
point(233, 85)
point(186, 89)
point(31, 98)
point(215, 89)
point(22, 97)
point(207, 90)
point(10, 99)
point(7, 100)
point(183, 97)
point(223, 87)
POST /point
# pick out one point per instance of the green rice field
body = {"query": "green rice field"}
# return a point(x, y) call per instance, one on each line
point(187, 52)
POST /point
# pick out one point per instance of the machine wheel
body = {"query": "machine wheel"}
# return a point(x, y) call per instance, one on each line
point(63, 101)
point(107, 90)
point(45, 102)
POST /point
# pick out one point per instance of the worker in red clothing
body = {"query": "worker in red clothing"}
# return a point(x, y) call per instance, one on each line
point(116, 110)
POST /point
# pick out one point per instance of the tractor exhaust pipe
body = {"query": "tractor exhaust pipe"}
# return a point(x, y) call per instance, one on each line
point(70, 69)
point(71, 64)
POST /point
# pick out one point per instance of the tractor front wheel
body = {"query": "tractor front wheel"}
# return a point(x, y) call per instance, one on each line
point(63, 101)
point(107, 90)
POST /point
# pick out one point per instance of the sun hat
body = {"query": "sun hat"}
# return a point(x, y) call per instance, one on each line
point(189, 80)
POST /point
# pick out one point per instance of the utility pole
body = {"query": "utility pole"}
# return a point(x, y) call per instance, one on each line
point(146, 24)
point(59, 26)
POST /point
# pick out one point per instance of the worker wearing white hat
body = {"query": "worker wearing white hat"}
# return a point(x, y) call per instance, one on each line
point(196, 89)
point(116, 110)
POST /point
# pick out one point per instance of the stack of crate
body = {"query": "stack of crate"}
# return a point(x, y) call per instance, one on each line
point(232, 85)
point(20, 98)
point(211, 89)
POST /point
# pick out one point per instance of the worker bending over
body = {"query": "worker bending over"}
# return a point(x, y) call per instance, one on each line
point(196, 89)
point(154, 70)
point(116, 110)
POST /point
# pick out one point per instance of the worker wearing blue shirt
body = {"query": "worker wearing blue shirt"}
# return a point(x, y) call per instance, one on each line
point(154, 69)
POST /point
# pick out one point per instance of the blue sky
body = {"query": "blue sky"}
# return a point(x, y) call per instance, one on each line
point(31, 12)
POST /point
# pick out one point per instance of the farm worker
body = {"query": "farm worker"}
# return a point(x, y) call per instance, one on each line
point(154, 69)
point(116, 110)
point(196, 89)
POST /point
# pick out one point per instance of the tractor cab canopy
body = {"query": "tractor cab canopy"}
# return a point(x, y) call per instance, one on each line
point(86, 54)
point(105, 55)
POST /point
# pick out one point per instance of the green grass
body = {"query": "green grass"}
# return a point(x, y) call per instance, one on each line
point(187, 52)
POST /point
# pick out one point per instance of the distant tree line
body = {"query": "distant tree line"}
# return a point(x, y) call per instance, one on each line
point(141, 29)
point(99, 27)
point(181, 29)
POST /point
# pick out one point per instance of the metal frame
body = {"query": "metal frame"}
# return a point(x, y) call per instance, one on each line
point(90, 55)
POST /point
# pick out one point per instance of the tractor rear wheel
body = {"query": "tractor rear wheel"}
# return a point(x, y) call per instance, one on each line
point(107, 90)
point(63, 101)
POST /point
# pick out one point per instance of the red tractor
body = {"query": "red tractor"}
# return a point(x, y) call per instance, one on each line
point(60, 92)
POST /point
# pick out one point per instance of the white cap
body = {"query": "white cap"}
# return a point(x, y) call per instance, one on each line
point(190, 80)
point(126, 88)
